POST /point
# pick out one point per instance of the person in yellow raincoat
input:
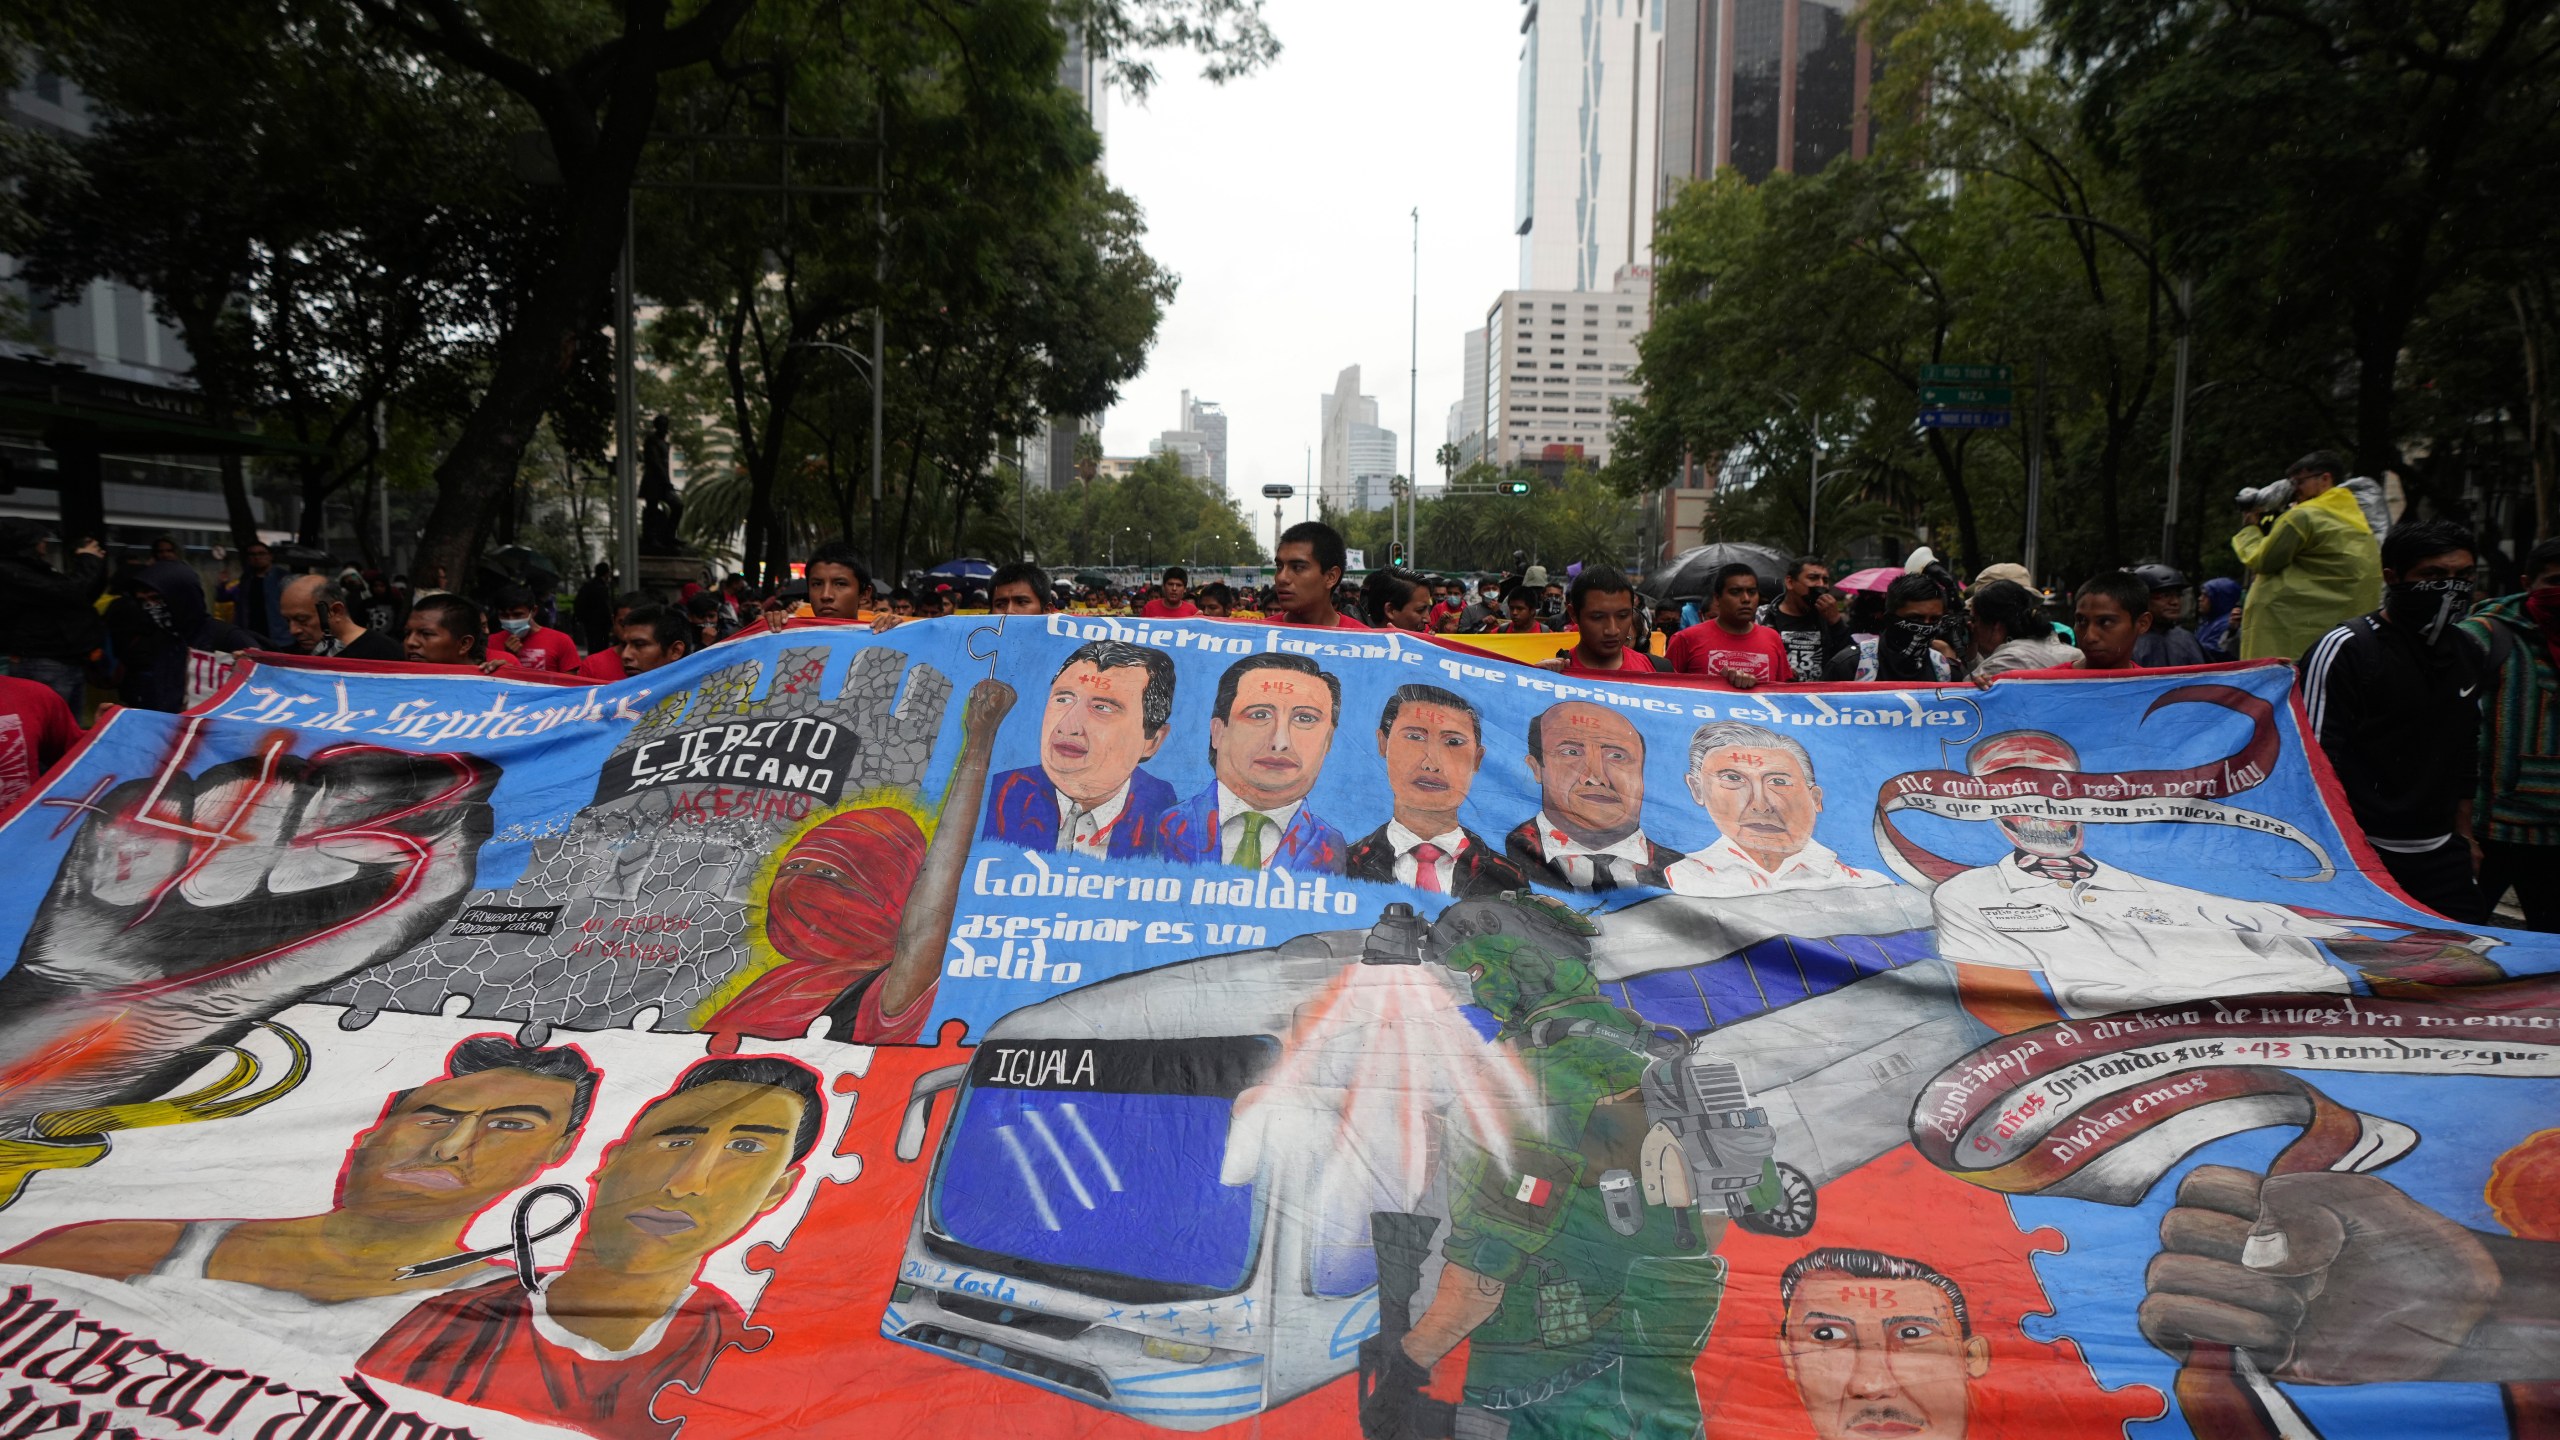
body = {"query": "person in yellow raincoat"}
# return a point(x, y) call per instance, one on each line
point(2312, 567)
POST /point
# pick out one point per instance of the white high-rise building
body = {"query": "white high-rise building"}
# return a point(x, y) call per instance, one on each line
point(1049, 456)
point(1208, 420)
point(1467, 417)
point(1590, 81)
point(1556, 360)
point(1359, 456)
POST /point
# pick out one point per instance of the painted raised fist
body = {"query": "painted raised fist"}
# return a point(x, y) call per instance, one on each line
point(189, 907)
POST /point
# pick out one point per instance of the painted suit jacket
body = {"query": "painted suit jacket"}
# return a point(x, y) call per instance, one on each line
point(1190, 832)
point(1521, 845)
point(1480, 869)
point(1024, 812)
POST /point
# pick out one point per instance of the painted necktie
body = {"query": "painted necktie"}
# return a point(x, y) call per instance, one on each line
point(1249, 849)
point(1426, 868)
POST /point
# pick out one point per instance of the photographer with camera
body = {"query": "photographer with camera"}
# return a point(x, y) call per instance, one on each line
point(2312, 558)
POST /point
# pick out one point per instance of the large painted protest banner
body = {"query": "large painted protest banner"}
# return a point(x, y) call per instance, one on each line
point(1074, 1027)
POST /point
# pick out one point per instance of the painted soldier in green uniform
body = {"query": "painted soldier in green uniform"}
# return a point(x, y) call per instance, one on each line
point(1583, 1307)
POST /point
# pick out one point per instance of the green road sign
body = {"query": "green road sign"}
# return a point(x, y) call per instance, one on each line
point(1968, 374)
point(1975, 395)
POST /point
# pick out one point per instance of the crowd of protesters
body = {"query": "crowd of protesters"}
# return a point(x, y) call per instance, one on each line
point(2439, 713)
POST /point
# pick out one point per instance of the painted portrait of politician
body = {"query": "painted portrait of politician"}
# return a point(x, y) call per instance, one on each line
point(328, 1284)
point(1269, 732)
point(1105, 716)
point(1588, 833)
point(590, 1346)
point(1432, 741)
point(1879, 1345)
point(1759, 788)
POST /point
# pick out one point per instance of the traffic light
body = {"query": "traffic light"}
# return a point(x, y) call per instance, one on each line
point(1395, 555)
point(1515, 487)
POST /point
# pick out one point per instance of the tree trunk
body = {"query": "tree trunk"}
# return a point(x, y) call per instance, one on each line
point(537, 353)
point(235, 503)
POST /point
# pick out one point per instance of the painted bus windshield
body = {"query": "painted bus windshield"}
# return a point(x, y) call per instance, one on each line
point(1100, 1158)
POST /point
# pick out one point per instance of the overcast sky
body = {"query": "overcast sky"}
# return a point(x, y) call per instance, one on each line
point(1284, 202)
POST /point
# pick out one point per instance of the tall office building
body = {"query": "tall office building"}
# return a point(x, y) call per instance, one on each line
point(1589, 80)
point(103, 431)
point(1049, 456)
point(1466, 418)
point(1359, 459)
point(1762, 86)
point(1187, 450)
point(1208, 420)
point(1555, 362)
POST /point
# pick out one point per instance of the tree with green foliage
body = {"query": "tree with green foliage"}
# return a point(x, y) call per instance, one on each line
point(1154, 515)
point(1576, 517)
point(2362, 188)
point(559, 109)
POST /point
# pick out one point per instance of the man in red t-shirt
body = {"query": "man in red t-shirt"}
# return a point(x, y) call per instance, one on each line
point(1602, 606)
point(1175, 603)
point(1732, 645)
point(36, 730)
point(1305, 567)
point(592, 1346)
point(524, 643)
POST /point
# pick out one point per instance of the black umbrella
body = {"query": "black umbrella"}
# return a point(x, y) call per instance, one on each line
point(1693, 571)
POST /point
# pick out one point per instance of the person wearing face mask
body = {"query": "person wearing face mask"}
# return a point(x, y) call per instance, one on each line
point(2394, 698)
point(2519, 800)
point(525, 643)
point(1911, 648)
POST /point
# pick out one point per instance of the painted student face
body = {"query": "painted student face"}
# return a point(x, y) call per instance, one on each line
point(1761, 797)
point(1272, 741)
point(1432, 754)
point(1880, 1359)
point(1093, 734)
point(451, 1146)
point(696, 1170)
point(1591, 772)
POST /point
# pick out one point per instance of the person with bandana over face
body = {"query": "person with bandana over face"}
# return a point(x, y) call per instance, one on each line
point(2394, 698)
point(1911, 648)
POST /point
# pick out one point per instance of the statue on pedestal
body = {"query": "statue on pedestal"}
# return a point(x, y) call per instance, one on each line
point(661, 508)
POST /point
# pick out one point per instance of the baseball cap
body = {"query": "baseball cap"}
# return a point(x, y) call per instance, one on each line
point(2008, 570)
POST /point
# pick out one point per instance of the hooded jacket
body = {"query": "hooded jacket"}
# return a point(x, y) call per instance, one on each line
point(2315, 567)
point(50, 614)
point(2519, 800)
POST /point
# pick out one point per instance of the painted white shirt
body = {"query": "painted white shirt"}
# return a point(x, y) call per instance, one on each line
point(1409, 865)
point(1088, 833)
point(331, 1333)
point(2117, 941)
point(1232, 808)
point(1725, 869)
